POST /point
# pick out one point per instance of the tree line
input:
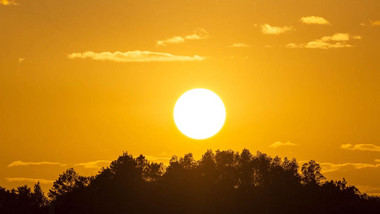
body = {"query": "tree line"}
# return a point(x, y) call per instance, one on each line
point(220, 182)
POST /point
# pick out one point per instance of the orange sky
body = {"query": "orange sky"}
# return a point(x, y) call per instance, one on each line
point(83, 81)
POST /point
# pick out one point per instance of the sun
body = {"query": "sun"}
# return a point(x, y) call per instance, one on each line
point(199, 113)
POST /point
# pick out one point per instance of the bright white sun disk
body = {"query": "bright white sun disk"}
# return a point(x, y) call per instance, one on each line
point(199, 113)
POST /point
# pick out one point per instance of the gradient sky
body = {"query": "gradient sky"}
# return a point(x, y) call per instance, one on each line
point(81, 81)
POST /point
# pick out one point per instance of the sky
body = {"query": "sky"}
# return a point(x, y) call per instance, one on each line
point(82, 81)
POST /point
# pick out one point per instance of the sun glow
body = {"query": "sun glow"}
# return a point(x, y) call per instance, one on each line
point(199, 113)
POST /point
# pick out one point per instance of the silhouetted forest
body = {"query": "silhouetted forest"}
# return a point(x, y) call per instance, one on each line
point(220, 182)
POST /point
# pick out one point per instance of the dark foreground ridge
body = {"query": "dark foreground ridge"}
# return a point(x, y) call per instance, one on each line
point(222, 182)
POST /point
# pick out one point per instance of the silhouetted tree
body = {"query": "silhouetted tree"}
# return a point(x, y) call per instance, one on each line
point(311, 173)
point(38, 196)
point(220, 182)
point(66, 183)
point(23, 200)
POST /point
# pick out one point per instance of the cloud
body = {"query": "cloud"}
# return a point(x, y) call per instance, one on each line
point(333, 167)
point(163, 157)
point(134, 56)
point(41, 163)
point(338, 40)
point(157, 158)
point(375, 23)
point(314, 20)
point(371, 23)
point(29, 180)
point(198, 34)
point(274, 30)
point(239, 45)
point(94, 164)
point(8, 3)
point(370, 190)
point(361, 147)
point(173, 40)
point(278, 144)
point(338, 37)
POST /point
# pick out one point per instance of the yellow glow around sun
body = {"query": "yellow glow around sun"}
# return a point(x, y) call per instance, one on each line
point(199, 113)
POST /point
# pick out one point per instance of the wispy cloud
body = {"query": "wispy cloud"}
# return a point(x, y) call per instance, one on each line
point(278, 144)
point(8, 3)
point(332, 167)
point(375, 23)
point(94, 164)
point(29, 180)
point(198, 34)
point(239, 45)
point(157, 158)
point(361, 147)
point(40, 163)
point(370, 190)
point(163, 157)
point(172, 40)
point(275, 30)
point(337, 37)
point(314, 20)
point(101, 163)
point(338, 40)
point(134, 56)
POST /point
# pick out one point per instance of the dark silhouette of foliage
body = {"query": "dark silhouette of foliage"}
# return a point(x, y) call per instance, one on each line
point(23, 200)
point(220, 182)
point(66, 183)
point(311, 173)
